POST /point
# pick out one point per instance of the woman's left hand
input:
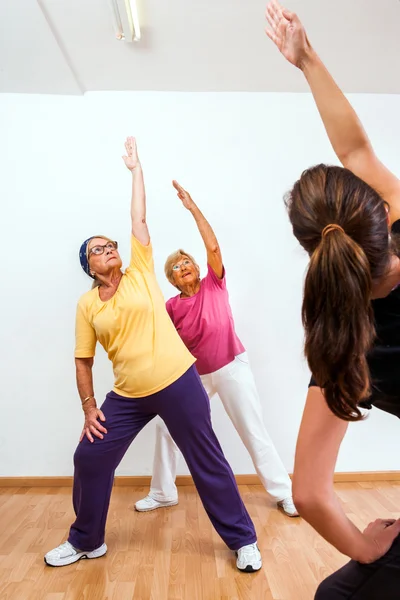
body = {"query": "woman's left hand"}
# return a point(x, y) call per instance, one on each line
point(131, 160)
point(183, 195)
point(380, 534)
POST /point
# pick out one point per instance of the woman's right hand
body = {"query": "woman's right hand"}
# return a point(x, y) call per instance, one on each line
point(92, 425)
point(287, 33)
point(131, 159)
point(380, 535)
point(183, 195)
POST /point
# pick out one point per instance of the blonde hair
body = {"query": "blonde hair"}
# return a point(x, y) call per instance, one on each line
point(172, 260)
point(96, 283)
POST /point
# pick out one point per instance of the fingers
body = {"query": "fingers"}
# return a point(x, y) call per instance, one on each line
point(88, 435)
point(82, 435)
point(289, 15)
point(394, 528)
point(272, 36)
point(96, 432)
point(130, 145)
point(100, 427)
point(271, 17)
point(101, 415)
point(279, 8)
point(388, 522)
point(178, 187)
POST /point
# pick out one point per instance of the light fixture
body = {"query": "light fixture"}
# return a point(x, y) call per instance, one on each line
point(126, 20)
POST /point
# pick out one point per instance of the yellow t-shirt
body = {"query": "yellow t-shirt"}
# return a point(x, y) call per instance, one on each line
point(135, 330)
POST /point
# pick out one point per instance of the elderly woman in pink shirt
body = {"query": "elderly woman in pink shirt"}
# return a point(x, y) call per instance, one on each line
point(203, 318)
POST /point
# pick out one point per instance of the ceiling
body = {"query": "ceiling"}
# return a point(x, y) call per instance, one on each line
point(69, 46)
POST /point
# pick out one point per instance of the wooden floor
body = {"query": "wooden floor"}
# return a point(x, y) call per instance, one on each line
point(171, 553)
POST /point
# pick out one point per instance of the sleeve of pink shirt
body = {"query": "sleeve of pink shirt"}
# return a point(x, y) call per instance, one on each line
point(213, 280)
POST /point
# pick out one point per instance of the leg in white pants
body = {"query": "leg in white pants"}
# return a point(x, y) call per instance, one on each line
point(166, 457)
point(236, 387)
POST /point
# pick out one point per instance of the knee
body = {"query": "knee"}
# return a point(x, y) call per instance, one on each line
point(326, 591)
point(83, 456)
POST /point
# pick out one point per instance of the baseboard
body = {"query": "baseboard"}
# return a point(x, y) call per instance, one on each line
point(144, 480)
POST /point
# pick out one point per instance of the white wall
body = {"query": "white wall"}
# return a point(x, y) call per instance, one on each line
point(62, 179)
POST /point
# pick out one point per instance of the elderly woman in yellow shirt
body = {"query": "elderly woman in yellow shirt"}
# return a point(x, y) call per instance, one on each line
point(154, 375)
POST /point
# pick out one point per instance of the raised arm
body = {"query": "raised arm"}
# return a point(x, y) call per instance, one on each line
point(214, 257)
point(320, 436)
point(138, 202)
point(345, 131)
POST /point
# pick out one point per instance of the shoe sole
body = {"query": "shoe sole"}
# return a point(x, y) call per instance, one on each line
point(166, 505)
point(249, 569)
point(63, 562)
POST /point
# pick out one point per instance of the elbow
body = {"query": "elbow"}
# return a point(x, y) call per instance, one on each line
point(309, 499)
point(213, 248)
point(84, 362)
point(302, 502)
point(138, 219)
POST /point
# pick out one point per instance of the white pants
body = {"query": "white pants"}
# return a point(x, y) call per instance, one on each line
point(236, 387)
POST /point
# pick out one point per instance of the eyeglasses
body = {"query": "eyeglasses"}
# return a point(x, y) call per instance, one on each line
point(97, 250)
point(184, 263)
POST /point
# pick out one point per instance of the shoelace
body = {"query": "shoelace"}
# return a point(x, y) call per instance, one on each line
point(248, 553)
point(65, 546)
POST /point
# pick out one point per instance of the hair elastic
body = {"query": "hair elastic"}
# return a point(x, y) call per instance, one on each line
point(331, 227)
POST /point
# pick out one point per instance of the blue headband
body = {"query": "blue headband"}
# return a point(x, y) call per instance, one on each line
point(83, 257)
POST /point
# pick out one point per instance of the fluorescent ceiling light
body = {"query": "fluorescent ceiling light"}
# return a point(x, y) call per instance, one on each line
point(126, 20)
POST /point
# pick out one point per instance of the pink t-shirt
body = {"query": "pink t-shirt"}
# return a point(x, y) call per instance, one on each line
point(205, 323)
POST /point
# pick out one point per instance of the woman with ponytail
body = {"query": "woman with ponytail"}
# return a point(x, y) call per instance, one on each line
point(346, 219)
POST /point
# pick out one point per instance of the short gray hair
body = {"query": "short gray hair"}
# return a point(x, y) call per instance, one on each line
point(173, 259)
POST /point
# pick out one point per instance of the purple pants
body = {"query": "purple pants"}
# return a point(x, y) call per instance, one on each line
point(184, 406)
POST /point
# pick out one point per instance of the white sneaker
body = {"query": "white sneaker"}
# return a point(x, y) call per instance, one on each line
point(249, 558)
point(288, 507)
point(149, 503)
point(66, 554)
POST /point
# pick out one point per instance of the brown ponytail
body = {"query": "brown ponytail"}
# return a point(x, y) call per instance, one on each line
point(341, 222)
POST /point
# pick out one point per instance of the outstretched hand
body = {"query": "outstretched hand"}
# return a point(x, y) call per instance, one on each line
point(183, 195)
point(287, 33)
point(131, 159)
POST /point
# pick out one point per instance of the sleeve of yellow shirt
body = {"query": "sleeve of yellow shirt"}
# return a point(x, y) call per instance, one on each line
point(141, 256)
point(85, 335)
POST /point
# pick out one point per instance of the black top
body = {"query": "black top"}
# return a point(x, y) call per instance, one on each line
point(384, 358)
point(387, 312)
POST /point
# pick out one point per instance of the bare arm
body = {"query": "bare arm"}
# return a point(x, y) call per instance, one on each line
point(84, 381)
point(138, 202)
point(345, 131)
point(320, 436)
point(214, 257)
point(347, 135)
